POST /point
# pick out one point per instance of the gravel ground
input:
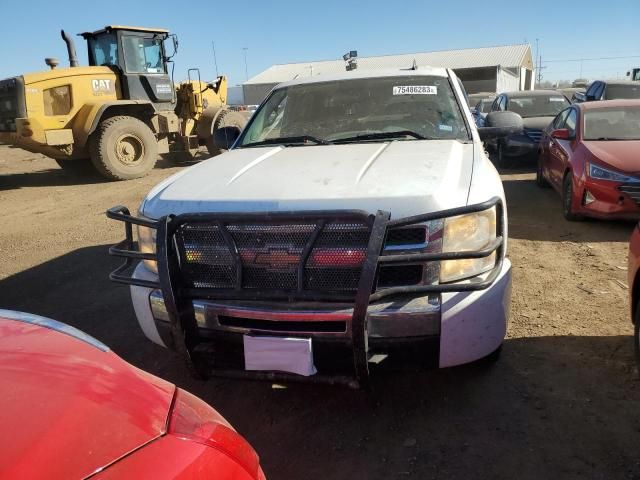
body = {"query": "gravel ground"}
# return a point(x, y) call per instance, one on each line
point(563, 401)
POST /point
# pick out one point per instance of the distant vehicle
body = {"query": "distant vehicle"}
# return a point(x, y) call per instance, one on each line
point(633, 276)
point(537, 109)
point(612, 90)
point(589, 154)
point(481, 108)
point(634, 74)
point(574, 94)
point(580, 83)
point(73, 409)
point(474, 98)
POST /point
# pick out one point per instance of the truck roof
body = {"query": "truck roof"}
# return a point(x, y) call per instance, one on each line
point(367, 73)
point(110, 28)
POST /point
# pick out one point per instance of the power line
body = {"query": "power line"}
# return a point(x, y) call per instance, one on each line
point(590, 59)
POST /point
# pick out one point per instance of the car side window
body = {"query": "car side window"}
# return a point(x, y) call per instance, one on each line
point(558, 122)
point(570, 122)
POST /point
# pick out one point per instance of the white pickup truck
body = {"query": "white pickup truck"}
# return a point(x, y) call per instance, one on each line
point(355, 217)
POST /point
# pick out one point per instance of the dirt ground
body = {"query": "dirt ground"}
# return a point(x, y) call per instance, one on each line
point(563, 401)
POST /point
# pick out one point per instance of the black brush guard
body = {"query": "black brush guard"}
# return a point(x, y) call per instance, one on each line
point(177, 298)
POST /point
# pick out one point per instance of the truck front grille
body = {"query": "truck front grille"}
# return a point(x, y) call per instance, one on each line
point(324, 257)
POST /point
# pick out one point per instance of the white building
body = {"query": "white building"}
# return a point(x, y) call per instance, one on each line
point(487, 69)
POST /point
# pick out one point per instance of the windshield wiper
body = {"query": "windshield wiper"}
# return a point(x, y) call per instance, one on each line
point(382, 135)
point(288, 141)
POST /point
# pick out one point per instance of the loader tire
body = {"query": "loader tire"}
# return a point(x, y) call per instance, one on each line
point(123, 148)
point(226, 118)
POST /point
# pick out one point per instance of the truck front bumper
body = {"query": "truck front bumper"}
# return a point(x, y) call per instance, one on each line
point(207, 319)
point(462, 326)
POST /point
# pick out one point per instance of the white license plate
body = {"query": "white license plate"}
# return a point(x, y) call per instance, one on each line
point(284, 354)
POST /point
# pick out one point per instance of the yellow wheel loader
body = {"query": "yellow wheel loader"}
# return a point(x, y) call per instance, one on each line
point(121, 111)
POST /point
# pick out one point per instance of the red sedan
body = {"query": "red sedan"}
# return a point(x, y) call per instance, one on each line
point(634, 286)
point(72, 409)
point(589, 154)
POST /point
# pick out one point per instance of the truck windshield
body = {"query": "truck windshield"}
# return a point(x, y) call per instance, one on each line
point(355, 110)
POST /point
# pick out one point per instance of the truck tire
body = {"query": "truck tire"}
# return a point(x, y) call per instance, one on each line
point(123, 148)
point(226, 118)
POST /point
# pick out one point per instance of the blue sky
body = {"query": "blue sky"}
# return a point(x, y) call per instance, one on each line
point(283, 31)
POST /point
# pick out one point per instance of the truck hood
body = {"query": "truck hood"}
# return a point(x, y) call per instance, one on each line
point(403, 177)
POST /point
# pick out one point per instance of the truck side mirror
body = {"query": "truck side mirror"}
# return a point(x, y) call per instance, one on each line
point(500, 124)
point(225, 137)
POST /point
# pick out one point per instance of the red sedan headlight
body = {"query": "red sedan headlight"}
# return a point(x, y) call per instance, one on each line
point(195, 420)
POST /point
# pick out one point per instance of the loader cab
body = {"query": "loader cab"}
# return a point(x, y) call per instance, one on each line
point(138, 56)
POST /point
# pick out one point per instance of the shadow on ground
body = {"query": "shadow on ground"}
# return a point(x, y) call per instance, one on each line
point(545, 221)
point(551, 407)
point(80, 175)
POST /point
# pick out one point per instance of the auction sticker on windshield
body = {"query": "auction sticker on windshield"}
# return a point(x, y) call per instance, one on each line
point(415, 90)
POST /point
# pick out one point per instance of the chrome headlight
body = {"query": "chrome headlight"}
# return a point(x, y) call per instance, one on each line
point(466, 233)
point(601, 173)
point(147, 244)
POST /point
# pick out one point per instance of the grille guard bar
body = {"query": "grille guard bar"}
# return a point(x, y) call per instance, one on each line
point(183, 326)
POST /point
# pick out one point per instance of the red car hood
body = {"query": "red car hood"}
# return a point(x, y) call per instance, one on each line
point(69, 408)
point(620, 154)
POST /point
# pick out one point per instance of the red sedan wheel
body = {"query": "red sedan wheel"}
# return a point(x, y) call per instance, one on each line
point(540, 180)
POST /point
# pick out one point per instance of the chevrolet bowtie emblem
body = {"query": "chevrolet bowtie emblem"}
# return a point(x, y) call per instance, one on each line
point(276, 258)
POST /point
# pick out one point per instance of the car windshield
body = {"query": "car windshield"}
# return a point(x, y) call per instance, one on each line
point(620, 123)
point(613, 92)
point(355, 110)
point(538, 105)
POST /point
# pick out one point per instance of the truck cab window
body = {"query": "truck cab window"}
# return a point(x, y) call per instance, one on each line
point(142, 55)
point(103, 50)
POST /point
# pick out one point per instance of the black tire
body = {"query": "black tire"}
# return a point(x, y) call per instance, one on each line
point(567, 199)
point(502, 160)
point(540, 180)
point(636, 341)
point(123, 148)
point(226, 118)
point(76, 167)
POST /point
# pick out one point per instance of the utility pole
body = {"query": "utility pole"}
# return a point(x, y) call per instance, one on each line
point(215, 60)
point(246, 70)
point(539, 63)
